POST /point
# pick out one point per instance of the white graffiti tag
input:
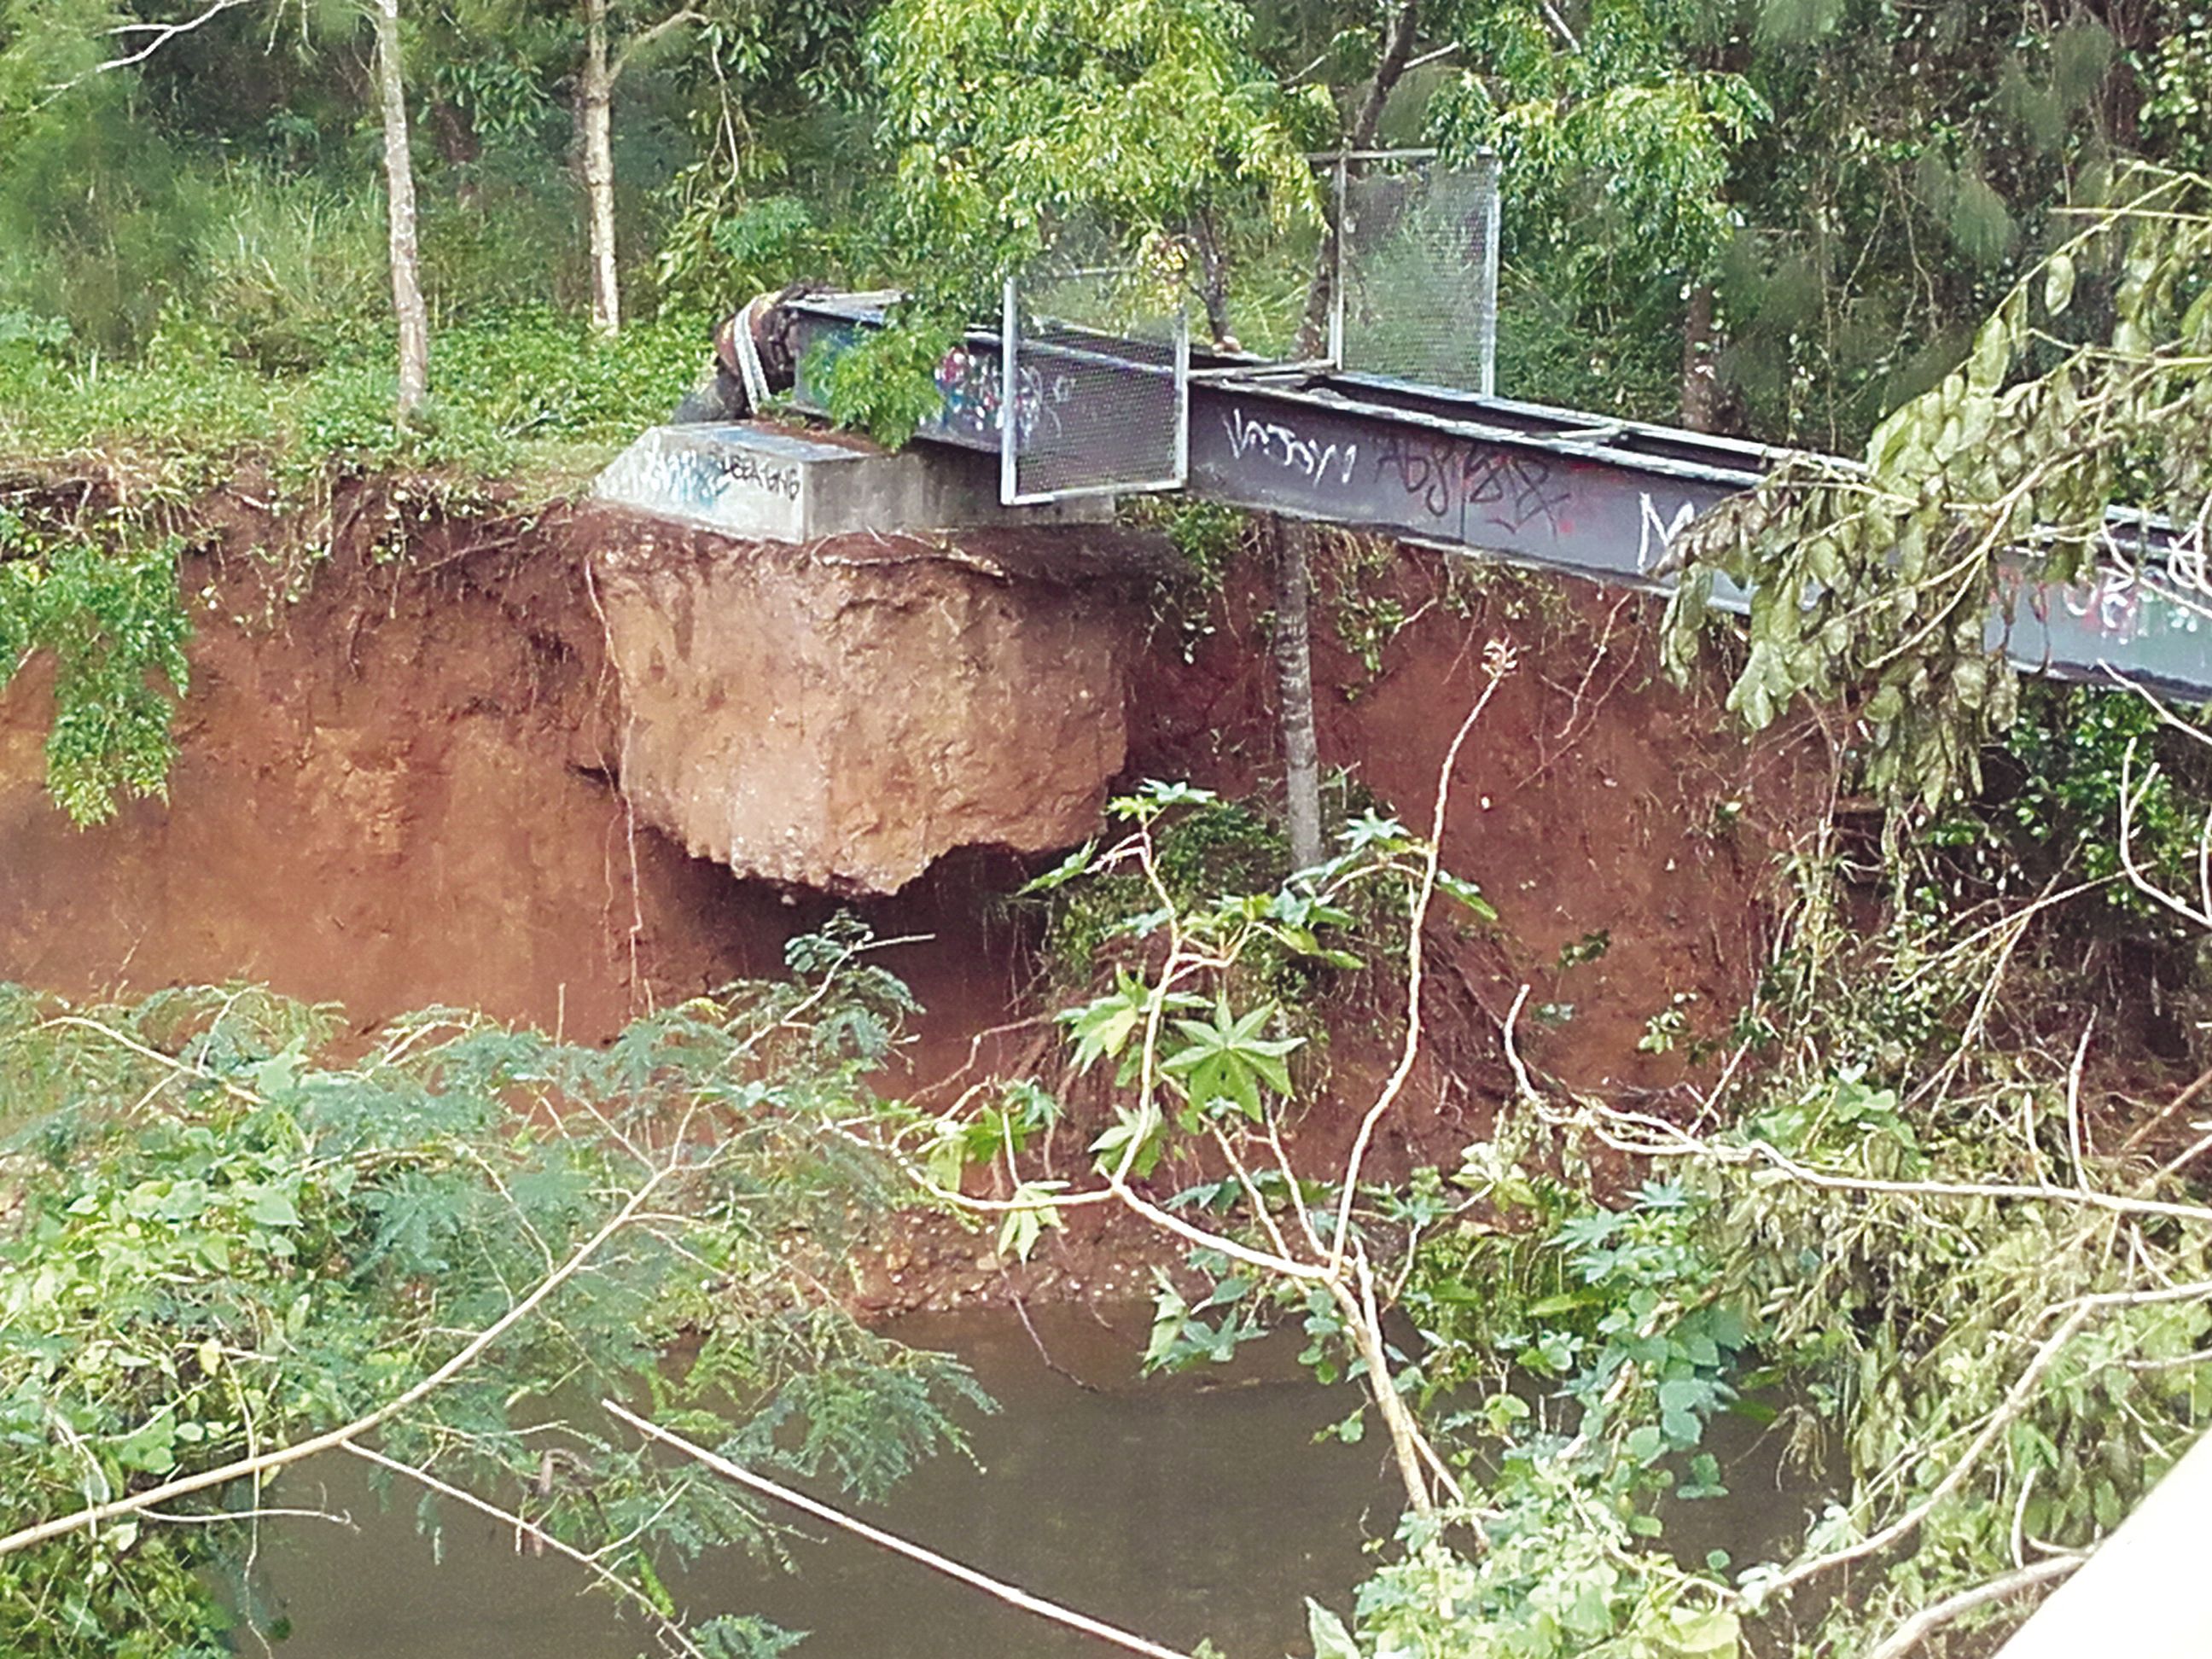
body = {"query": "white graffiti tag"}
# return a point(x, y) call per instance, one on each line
point(1317, 463)
point(1656, 535)
point(2140, 588)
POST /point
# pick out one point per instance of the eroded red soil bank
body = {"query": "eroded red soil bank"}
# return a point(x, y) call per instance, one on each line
point(401, 792)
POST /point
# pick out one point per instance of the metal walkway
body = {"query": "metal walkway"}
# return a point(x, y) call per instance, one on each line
point(1555, 489)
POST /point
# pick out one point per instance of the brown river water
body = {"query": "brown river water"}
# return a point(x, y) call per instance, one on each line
point(1181, 1507)
point(1200, 1505)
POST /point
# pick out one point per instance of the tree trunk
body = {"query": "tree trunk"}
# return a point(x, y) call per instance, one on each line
point(1700, 382)
point(399, 193)
point(1213, 278)
point(1294, 542)
point(1293, 647)
point(595, 139)
point(1397, 50)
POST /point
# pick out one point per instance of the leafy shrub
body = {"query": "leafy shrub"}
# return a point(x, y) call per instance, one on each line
point(884, 382)
point(100, 594)
point(223, 1240)
point(2076, 749)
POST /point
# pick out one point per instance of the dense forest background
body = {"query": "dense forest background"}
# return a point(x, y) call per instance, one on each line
point(1778, 217)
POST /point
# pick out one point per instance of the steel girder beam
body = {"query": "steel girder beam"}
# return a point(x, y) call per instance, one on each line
point(1553, 488)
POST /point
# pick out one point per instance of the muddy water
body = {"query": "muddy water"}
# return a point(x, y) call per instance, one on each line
point(1182, 1507)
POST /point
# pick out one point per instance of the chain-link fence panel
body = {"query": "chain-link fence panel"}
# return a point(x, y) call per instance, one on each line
point(1418, 295)
point(1095, 386)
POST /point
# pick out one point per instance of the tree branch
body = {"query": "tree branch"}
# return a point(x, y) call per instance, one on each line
point(1916, 1629)
point(1389, 69)
point(639, 42)
point(2017, 1399)
point(997, 1589)
point(1500, 666)
point(162, 34)
point(224, 1474)
point(622, 1586)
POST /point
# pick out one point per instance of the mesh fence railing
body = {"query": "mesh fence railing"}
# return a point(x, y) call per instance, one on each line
point(1419, 289)
point(1096, 383)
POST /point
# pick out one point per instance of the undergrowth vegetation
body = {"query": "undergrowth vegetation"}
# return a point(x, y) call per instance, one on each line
point(530, 393)
point(1969, 1310)
point(224, 1246)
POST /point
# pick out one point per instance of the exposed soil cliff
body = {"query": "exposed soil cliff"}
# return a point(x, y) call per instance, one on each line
point(401, 792)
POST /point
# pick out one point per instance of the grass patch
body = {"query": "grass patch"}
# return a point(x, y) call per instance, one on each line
point(525, 395)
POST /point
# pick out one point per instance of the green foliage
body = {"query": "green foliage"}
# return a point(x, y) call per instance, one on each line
point(97, 592)
point(779, 176)
point(2176, 116)
point(884, 382)
point(1560, 1579)
point(1005, 116)
point(2077, 761)
point(1875, 580)
point(520, 393)
point(1207, 535)
point(1009, 122)
point(1917, 159)
point(1217, 847)
point(1202, 1041)
point(1873, 1244)
point(222, 1239)
point(1619, 129)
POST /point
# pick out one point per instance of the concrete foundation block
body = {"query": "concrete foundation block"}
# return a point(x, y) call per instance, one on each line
point(759, 482)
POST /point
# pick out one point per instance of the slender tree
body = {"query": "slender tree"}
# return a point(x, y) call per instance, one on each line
point(1293, 539)
point(407, 307)
point(596, 80)
point(410, 313)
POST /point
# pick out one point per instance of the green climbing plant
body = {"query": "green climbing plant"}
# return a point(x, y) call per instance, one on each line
point(1874, 582)
point(97, 592)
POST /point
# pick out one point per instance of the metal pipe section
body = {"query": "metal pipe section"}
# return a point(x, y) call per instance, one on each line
point(1557, 489)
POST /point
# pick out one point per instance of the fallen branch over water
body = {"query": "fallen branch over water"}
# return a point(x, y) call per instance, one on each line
point(996, 1588)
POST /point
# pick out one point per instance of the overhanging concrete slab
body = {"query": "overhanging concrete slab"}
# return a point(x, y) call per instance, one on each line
point(755, 481)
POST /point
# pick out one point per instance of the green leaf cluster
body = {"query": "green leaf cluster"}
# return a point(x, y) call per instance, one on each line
point(225, 1234)
point(1875, 581)
point(97, 592)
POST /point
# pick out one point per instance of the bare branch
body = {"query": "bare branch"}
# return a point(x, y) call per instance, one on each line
point(614, 1581)
point(997, 1589)
point(1501, 665)
point(674, 21)
point(162, 34)
point(2017, 1399)
point(1663, 1139)
point(1932, 1618)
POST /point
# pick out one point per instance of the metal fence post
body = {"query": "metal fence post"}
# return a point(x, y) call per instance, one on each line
point(1336, 276)
point(1183, 395)
point(1488, 171)
point(1009, 419)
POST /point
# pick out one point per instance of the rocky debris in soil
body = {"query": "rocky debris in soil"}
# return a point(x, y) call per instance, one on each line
point(929, 1262)
point(840, 715)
